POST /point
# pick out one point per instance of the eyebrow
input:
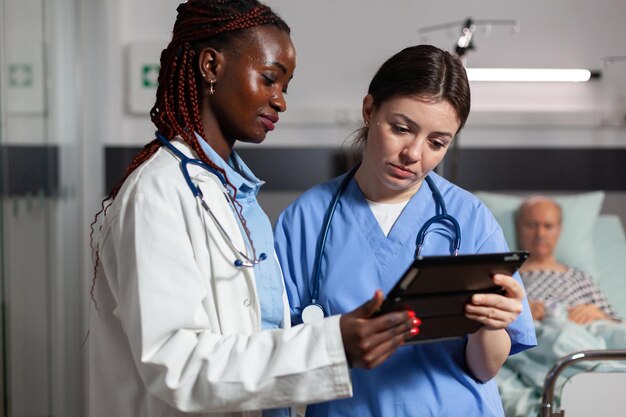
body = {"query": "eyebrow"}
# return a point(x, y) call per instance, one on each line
point(279, 65)
point(411, 122)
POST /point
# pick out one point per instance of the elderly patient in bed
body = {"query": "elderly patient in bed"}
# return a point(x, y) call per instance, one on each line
point(552, 287)
point(571, 313)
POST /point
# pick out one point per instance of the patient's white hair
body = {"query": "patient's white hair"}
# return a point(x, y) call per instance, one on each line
point(531, 201)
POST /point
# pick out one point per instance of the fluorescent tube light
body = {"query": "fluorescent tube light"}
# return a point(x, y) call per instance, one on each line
point(530, 74)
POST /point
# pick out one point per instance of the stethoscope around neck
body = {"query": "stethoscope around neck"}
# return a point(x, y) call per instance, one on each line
point(244, 260)
point(315, 311)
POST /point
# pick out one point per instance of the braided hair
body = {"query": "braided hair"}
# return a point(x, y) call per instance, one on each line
point(176, 112)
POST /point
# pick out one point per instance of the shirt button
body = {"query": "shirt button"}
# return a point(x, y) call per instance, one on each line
point(246, 302)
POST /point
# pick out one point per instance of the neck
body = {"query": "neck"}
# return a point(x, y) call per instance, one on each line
point(215, 137)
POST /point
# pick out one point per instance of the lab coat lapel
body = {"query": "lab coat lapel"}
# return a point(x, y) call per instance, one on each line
point(213, 192)
point(210, 185)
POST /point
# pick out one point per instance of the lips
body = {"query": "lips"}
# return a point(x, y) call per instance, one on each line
point(269, 121)
point(401, 172)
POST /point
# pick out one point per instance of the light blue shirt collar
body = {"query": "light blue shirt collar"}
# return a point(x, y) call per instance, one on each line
point(237, 172)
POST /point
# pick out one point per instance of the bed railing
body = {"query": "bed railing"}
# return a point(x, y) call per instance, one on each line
point(550, 381)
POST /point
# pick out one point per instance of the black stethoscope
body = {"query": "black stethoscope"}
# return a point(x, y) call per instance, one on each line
point(245, 261)
point(315, 311)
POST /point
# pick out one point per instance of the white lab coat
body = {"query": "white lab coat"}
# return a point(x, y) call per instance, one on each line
point(175, 327)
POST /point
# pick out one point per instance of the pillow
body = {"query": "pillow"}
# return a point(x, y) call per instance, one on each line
point(580, 212)
point(610, 254)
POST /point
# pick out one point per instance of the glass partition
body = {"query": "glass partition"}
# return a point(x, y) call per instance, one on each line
point(39, 231)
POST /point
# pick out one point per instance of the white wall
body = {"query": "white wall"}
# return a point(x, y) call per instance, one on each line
point(341, 43)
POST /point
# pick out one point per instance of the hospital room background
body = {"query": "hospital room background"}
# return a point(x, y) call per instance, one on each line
point(78, 79)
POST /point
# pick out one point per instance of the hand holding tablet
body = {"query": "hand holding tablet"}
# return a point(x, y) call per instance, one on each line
point(437, 289)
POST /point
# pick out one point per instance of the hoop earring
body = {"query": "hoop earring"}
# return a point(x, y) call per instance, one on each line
point(211, 87)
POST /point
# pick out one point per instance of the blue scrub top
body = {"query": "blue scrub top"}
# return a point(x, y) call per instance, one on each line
point(419, 380)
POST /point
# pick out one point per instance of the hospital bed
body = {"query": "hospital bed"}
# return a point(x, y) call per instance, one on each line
point(589, 392)
point(580, 395)
point(595, 393)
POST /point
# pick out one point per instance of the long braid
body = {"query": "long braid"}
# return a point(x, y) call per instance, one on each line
point(176, 111)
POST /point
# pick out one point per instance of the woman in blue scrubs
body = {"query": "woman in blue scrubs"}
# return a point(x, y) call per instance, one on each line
point(416, 103)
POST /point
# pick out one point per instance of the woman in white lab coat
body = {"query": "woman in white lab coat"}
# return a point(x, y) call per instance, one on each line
point(189, 309)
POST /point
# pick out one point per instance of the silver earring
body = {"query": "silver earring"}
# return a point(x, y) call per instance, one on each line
point(211, 87)
point(366, 122)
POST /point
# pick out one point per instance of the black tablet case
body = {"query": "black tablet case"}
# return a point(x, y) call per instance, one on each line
point(437, 288)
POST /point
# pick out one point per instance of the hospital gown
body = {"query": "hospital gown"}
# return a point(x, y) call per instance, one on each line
point(418, 380)
point(570, 288)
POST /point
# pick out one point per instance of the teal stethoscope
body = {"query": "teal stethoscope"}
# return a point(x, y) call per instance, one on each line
point(315, 311)
point(245, 261)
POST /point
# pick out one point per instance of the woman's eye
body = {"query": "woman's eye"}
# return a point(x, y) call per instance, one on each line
point(437, 144)
point(400, 129)
point(268, 80)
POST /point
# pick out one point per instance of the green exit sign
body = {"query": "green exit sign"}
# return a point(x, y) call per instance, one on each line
point(21, 75)
point(150, 75)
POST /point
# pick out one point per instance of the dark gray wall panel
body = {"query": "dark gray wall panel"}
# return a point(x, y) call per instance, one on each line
point(29, 170)
point(283, 169)
point(116, 160)
point(291, 169)
point(538, 169)
point(505, 169)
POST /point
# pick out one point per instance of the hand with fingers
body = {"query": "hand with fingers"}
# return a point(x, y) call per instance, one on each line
point(586, 313)
point(497, 311)
point(488, 348)
point(368, 341)
point(537, 309)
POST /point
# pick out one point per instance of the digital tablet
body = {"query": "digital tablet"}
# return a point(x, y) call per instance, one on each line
point(437, 288)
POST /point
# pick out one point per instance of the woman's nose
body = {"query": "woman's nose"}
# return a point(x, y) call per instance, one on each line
point(278, 102)
point(412, 152)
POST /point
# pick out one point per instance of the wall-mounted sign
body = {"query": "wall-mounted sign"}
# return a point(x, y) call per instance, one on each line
point(142, 76)
point(25, 77)
point(21, 75)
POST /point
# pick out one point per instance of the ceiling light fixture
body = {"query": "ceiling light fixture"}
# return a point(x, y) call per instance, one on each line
point(531, 75)
point(465, 44)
